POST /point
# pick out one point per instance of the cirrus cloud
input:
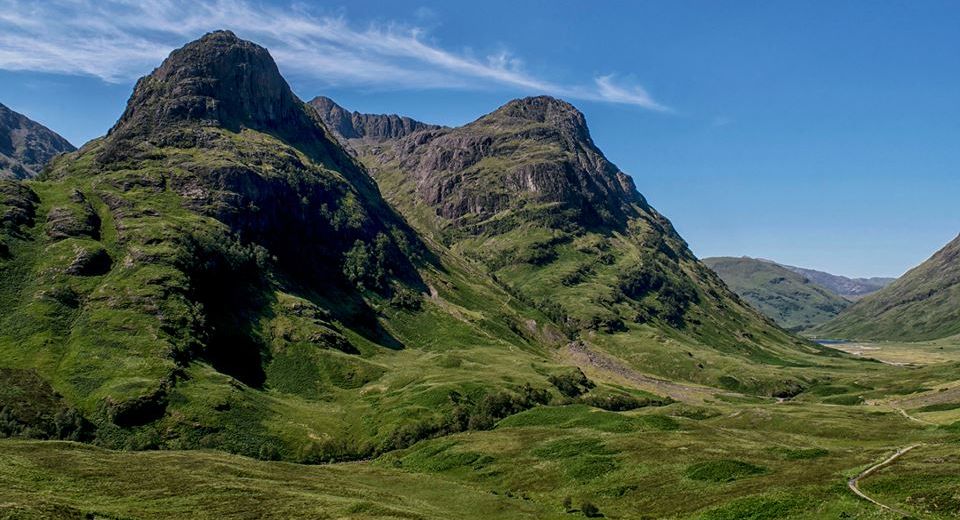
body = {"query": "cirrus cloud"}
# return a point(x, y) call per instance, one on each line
point(120, 40)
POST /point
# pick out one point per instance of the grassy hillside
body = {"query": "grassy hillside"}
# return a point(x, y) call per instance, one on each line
point(214, 276)
point(217, 290)
point(788, 298)
point(526, 193)
point(923, 304)
point(720, 460)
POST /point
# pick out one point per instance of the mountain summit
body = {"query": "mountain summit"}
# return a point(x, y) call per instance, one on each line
point(218, 80)
point(525, 191)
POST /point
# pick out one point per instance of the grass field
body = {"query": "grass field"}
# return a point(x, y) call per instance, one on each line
point(906, 353)
point(713, 460)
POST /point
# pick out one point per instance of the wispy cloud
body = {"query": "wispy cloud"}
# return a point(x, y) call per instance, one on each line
point(120, 40)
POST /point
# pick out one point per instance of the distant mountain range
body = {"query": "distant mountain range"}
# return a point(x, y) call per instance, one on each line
point(26, 146)
point(786, 296)
point(849, 288)
point(923, 304)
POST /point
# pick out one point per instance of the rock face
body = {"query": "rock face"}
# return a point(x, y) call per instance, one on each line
point(354, 125)
point(923, 304)
point(218, 80)
point(552, 161)
point(529, 152)
point(26, 146)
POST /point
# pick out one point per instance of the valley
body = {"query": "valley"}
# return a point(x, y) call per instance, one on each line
point(236, 304)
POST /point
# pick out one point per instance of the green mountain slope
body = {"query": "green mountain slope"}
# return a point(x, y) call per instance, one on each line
point(788, 298)
point(26, 146)
point(923, 304)
point(525, 192)
point(217, 272)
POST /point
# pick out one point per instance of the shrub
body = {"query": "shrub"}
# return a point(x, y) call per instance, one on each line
point(590, 510)
point(725, 470)
point(467, 414)
point(619, 402)
point(405, 298)
point(572, 384)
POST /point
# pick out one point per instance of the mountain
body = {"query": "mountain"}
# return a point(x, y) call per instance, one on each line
point(525, 192)
point(26, 146)
point(218, 272)
point(849, 288)
point(374, 127)
point(923, 304)
point(790, 299)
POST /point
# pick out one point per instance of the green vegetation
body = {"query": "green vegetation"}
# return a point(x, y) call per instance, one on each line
point(923, 304)
point(218, 303)
point(722, 470)
point(791, 300)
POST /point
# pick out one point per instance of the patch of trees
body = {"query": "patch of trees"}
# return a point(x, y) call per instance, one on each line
point(572, 383)
point(65, 424)
point(621, 402)
point(468, 414)
point(657, 292)
point(588, 509)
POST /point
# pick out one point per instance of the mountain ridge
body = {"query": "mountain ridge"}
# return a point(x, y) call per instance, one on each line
point(847, 287)
point(525, 191)
point(356, 125)
point(26, 146)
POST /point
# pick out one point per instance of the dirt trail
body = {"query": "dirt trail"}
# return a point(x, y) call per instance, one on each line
point(588, 359)
point(915, 419)
point(853, 483)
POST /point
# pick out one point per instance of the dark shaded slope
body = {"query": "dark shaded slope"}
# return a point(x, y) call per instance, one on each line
point(26, 146)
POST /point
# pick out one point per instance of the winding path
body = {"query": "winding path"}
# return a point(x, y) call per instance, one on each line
point(853, 483)
point(915, 419)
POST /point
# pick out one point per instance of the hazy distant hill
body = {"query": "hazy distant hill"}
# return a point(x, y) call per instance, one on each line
point(792, 300)
point(923, 304)
point(849, 288)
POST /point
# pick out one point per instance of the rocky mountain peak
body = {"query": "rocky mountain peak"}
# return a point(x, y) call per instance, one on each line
point(219, 80)
point(543, 110)
point(354, 125)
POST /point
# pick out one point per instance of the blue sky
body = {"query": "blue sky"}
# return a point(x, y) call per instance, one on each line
point(821, 134)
